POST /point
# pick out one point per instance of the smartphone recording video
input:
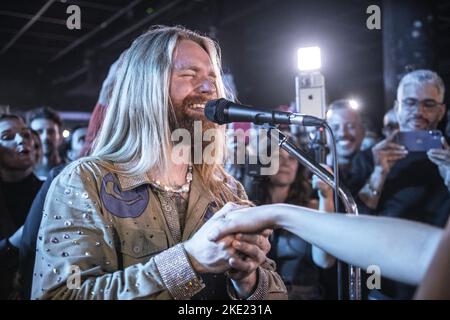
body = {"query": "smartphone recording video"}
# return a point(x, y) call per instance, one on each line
point(419, 141)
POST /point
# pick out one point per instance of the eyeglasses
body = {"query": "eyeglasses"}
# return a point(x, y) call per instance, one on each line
point(429, 104)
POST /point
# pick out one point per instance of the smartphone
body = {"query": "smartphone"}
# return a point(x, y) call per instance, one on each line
point(419, 141)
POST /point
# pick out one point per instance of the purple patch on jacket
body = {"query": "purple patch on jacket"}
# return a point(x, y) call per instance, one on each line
point(123, 204)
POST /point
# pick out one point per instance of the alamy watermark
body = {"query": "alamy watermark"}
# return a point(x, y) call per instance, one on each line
point(374, 278)
point(74, 20)
point(373, 22)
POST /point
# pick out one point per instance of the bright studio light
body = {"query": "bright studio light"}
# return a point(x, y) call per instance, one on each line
point(354, 104)
point(309, 58)
point(66, 133)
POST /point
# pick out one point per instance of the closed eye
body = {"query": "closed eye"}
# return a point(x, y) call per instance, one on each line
point(188, 73)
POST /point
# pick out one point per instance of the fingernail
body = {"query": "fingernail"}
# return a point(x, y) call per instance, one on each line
point(237, 243)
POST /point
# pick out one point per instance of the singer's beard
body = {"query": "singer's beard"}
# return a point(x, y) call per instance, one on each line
point(183, 117)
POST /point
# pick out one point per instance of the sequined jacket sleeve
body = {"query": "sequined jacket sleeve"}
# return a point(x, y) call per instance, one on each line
point(270, 285)
point(76, 254)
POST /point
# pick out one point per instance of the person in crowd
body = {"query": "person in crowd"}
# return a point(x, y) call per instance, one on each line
point(370, 139)
point(48, 124)
point(38, 154)
point(18, 186)
point(390, 123)
point(410, 185)
point(348, 129)
point(76, 143)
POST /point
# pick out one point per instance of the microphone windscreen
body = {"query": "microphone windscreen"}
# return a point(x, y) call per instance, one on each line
point(210, 110)
point(215, 110)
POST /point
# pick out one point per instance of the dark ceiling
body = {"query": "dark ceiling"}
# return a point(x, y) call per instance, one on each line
point(43, 62)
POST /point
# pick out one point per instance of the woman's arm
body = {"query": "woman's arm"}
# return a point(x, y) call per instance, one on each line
point(402, 249)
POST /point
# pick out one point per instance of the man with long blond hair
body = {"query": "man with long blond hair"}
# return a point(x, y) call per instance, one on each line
point(130, 222)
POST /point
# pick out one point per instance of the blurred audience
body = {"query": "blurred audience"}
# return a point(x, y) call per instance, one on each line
point(370, 139)
point(48, 124)
point(37, 148)
point(410, 185)
point(76, 143)
point(390, 123)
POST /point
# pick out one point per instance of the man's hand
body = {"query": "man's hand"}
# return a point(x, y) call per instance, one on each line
point(441, 157)
point(251, 253)
point(251, 249)
point(208, 256)
point(386, 153)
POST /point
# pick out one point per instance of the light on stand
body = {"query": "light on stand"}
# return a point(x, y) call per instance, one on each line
point(310, 100)
point(309, 59)
point(310, 96)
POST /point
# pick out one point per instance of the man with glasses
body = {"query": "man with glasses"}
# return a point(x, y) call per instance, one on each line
point(410, 185)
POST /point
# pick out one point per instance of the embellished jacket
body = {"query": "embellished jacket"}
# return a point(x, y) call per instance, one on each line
point(104, 236)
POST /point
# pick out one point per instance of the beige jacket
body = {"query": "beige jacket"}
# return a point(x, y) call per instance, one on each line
point(104, 236)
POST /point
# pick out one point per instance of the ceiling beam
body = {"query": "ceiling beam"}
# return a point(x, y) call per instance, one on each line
point(27, 26)
point(92, 33)
point(71, 76)
point(6, 13)
point(116, 38)
point(141, 23)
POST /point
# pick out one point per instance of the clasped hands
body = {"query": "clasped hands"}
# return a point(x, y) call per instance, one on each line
point(237, 255)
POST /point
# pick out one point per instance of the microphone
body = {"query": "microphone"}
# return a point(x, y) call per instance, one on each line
point(223, 111)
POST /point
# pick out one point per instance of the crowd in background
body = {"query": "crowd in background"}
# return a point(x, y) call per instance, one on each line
point(383, 176)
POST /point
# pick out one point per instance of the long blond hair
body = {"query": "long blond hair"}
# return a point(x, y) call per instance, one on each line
point(136, 126)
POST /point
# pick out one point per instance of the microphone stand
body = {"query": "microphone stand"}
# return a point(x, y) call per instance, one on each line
point(328, 178)
point(317, 144)
point(318, 147)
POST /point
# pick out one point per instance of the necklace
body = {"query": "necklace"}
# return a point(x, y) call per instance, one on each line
point(183, 189)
